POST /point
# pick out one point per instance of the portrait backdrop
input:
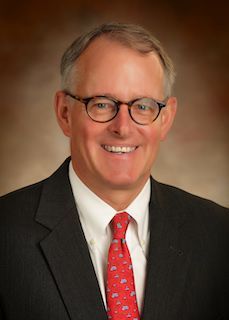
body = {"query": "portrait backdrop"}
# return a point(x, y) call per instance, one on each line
point(33, 36)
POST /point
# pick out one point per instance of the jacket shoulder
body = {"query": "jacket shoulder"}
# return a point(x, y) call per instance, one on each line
point(178, 196)
point(30, 195)
point(193, 207)
point(15, 205)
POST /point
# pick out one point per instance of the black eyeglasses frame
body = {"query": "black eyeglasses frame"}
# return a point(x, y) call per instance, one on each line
point(85, 101)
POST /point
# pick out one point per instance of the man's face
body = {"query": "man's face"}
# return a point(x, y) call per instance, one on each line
point(108, 68)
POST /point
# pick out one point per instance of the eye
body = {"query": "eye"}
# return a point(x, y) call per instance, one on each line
point(101, 105)
point(143, 107)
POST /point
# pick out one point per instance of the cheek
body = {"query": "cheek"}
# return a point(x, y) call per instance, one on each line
point(84, 135)
point(80, 138)
point(152, 150)
point(152, 135)
point(78, 124)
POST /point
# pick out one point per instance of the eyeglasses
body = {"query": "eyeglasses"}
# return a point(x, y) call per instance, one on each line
point(143, 111)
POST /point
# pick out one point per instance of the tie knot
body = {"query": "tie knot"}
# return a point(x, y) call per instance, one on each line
point(119, 225)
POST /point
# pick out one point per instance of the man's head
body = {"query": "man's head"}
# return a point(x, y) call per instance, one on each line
point(115, 157)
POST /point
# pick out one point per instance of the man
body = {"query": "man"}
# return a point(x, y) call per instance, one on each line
point(58, 259)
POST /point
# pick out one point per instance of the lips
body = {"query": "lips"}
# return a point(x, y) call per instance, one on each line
point(119, 149)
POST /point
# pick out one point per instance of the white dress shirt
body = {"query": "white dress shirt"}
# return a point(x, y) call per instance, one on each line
point(95, 216)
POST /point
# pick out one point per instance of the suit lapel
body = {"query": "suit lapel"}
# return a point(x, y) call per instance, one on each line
point(168, 262)
point(66, 250)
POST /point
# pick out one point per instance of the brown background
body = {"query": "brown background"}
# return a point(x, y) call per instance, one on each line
point(33, 36)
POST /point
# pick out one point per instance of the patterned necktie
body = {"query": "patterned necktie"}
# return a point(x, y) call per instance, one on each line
point(121, 295)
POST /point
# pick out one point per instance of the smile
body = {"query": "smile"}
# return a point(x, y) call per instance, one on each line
point(119, 149)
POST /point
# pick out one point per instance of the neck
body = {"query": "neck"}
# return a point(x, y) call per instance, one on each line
point(119, 198)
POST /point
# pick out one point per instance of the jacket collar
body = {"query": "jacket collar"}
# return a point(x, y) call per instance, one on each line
point(168, 259)
point(66, 251)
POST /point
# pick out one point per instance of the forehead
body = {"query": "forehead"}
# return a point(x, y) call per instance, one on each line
point(110, 66)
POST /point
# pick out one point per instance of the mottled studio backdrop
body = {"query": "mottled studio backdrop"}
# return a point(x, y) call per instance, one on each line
point(33, 35)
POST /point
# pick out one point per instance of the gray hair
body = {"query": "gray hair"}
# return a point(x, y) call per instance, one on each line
point(129, 35)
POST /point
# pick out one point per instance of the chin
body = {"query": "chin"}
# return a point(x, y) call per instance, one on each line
point(124, 182)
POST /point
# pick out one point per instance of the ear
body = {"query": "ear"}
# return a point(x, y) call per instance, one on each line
point(63, 112)
point(168, 116)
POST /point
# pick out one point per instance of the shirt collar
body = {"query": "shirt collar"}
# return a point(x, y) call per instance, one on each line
point(139, 211)
point(95, 214)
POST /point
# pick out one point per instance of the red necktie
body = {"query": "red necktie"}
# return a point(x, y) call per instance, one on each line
point(121, 295)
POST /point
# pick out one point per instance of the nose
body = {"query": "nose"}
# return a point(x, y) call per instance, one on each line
point(122, 124)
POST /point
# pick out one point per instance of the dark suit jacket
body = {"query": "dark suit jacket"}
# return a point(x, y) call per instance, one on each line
point(46, 272)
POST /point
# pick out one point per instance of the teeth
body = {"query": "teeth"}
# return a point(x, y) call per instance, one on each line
point(119, 149)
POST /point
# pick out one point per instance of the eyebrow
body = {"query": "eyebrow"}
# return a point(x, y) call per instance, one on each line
point(108, 95)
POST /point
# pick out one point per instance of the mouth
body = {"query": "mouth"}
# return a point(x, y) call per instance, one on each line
point(119, 149)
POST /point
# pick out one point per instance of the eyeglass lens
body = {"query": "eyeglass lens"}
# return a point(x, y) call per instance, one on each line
point(103, 109)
